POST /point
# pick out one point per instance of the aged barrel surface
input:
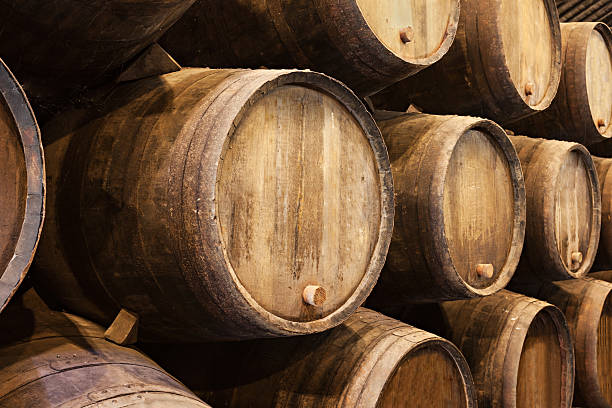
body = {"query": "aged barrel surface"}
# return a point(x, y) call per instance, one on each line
point(582, 109)
point(67, 44)
point(518, 348)
point(460, 209)
point(604, 251)
point(563, 209)
point(587, 306)
point(218, 204)
point(51, 359)
point(22, 185)
point(368, 44)
point(505, 63)
point(368, 361)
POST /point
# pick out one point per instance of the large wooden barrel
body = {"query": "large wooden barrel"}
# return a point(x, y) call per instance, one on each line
point(52, 359)
point(22, 185)
point(218, 204)
point(66, 44)
point(563, 209)
point(604, 252)
point(582, 110)
point(587, 306)
point(368, 361)
point(505, 63)
point(585, 10)
point(368, 44)
point(460, 209)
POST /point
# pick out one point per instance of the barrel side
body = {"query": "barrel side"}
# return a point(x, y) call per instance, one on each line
point(22, 174)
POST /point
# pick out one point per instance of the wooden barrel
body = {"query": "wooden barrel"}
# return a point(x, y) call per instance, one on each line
point(582, 110)
point(460, 209)
point(368, 44)
point(218, 204)
point(66, 44)
point(587, 306)
point(563, 209)
point(505, 63)
point(368, 361)
point(52, 359)
point(22, 185)
point(604, 252)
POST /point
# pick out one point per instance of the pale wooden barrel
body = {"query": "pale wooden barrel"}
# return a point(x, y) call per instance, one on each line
point(368, 361)
point(505, 63)
point(563, 210)
point(368, 44)
point(460, 209)
point(218, 204)
point(22, 185)
point(604, 251)
point(52, 359)
point(582, 110)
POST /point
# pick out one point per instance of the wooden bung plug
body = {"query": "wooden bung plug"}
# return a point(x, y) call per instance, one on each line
point(406, 34)
point(314, 295)
point(485, 270)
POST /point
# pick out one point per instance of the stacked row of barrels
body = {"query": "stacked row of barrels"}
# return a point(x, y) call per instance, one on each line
point(356, 203)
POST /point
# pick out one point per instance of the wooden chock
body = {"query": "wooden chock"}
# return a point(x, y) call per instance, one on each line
point(485, 270)
point(153, 61)
point(314, 295)
point(124, 329)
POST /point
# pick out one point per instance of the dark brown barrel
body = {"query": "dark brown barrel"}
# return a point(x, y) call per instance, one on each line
point(218, 204)
point(505, 63)
point(460, 209)
point(587, 306)
point(582, 110)
point(22, 185)
point(585, 10)
point(604, 252)
point(368, 44)
point(52, 359)
point(563, 209)
point(60, 45)
point(518, 348)
point(368, 361)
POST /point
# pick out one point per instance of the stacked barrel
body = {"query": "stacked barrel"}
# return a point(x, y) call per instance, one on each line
point(429, 160)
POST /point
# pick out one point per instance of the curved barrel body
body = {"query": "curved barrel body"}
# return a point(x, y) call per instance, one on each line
point(604, 251)
point(218, 204)
point(460, 209)
point(367, 44)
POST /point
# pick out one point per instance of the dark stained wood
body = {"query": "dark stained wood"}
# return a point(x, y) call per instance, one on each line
point(22, 185)
point(368, 361)
point(368, 44)
point(519, 349)
point(52, 359)
point(460, 209)
point(208, 201)
point(585, 10)
point(563, 210)
point(587, 306)
point(604, 251)
point(57, 47)
point(582, 109)
point(505, 64)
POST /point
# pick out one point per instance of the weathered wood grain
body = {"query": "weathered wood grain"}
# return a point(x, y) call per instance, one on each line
point(52, 359)
point(368, 361)
point(505, 64)
point(460, 209)
point(563, 210)
point(207, 201)
point(368, 44)
point(22, 185)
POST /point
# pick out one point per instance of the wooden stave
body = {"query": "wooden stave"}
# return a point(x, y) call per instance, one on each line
point(285, 372)
point(604, 254)
point(246, 324)
point(542, 262)
point(339, 43)
point(434, 278)
point(463, 83)
point(25, 122)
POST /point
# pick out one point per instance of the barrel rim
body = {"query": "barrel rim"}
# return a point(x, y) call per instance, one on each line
point(443, 47)
point(323, 83)
point(436, 200)
point(497, 71)
point(531, 309)
point(25, 122)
